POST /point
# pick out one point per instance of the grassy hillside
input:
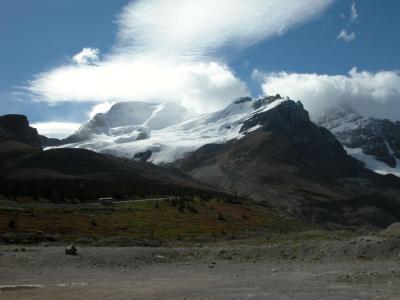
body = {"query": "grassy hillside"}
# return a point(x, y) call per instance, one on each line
point(165, 221)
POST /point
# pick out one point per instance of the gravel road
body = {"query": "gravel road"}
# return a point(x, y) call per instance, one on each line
point(234, 272)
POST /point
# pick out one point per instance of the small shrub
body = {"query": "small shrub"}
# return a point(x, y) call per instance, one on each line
point(191, 208)
point(181, 207)
point(12, 224)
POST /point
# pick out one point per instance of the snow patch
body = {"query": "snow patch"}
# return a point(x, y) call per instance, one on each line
point(373, 164)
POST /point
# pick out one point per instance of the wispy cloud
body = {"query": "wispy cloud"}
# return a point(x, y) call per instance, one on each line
point(192, 29)
point(371, 94)
point(174, 50)
point(99, 108)
point(353, 13)
point(346, 36)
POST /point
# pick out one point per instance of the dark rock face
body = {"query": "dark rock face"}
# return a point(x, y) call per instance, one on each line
point(311, 142)
point(266, 100)
point(379, 138)
point(16, 128)
point(143, 156)
point(242, 100)
point(49, 142)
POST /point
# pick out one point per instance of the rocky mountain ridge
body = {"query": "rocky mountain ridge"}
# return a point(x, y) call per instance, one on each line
point(290, 163)
point(16, 128)
point(376, 142)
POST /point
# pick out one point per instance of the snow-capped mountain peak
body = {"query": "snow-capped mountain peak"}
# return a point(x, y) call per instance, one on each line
point(162, 133)
point(130, 119)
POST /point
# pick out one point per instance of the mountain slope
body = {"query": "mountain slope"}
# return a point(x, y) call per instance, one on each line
point(23, 163)
point(294, 165)
point(82, 163)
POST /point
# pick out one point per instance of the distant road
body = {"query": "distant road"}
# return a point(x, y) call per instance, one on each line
point(131, 201)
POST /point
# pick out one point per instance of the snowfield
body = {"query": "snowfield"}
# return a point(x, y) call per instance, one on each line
point(372, 163)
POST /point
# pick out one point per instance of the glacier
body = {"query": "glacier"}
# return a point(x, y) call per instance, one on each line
point(159, 130)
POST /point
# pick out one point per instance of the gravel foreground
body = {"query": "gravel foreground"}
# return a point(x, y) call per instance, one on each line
point(365, 268)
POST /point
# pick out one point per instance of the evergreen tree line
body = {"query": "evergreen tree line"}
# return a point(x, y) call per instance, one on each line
point(88, 189)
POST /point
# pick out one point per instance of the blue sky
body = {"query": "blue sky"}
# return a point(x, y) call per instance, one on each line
point(38, 40)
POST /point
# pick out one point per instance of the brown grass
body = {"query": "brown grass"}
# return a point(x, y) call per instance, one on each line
point(143, 220)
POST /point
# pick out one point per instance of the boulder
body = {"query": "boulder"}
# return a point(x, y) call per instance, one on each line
point(71, 250)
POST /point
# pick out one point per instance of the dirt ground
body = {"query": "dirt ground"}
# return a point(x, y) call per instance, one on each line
point(361, 268)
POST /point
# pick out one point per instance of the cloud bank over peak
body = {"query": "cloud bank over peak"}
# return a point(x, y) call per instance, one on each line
point(171, 50)
point(370, 94)
point(202, 87)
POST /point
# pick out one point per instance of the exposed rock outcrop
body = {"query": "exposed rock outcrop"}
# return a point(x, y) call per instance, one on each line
point(16, 128)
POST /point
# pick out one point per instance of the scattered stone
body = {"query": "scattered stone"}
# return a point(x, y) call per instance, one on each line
point(392, 231)
point(12, 224)
point(71, 250)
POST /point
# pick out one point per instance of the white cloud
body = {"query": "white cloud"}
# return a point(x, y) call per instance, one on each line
point(353, 13)
point(88, 56)
point(171, 50)
point(202, 87)
point(56, 129)
point(192, 28)
point(99, 108)
point(346, 36)
point(371, 94)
